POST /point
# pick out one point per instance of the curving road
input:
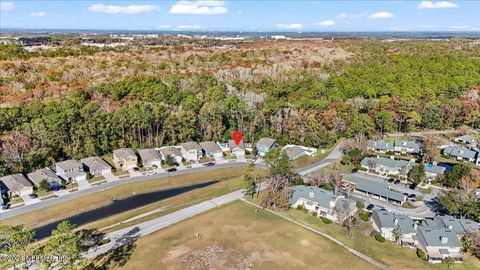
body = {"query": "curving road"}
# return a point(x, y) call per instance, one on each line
point(335, 155)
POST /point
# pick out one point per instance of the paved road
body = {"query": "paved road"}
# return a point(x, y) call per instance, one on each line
point(49, 202)
point(122, 236)
point(330, 159)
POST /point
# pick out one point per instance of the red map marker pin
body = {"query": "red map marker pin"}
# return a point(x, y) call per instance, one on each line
point(237, 137)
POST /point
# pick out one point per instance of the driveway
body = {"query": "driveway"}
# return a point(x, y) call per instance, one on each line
point(110, 177)
point(28, 201)
point(83, 184)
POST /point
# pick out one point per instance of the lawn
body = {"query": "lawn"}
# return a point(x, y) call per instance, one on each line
point(305, 160)
point(235, 236)
point(102, 198)
point(388, 253)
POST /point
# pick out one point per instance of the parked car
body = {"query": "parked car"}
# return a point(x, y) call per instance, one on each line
point(6, 206)
point(209, 164)
point(406, 194)
point(136, 169)
point(370, 207)
point(412, 196)
point(32, 196)
point(413, 186)
point(391, 180)
point(397, 182)
point(172, 169)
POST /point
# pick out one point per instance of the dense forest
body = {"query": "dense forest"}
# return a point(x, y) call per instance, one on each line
point(311, 93)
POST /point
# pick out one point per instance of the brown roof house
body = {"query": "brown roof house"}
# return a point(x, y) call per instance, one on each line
point(16, 185)
point(124, 159)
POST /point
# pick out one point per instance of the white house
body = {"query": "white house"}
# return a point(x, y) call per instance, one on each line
point(70, 170)
point(439, 243)
point(191, 151)
point(236, 149)
point(321, 201)
point(212, 149)
point(171, 151)
point(386, 223)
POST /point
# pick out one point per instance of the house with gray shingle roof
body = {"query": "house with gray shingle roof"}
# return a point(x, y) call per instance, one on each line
point(321, 201)
point(15, 185)
point(469, 139)
point(212, 149)
point(264, 145)
point(439, 243)
point(460, 153)
point(45, 174)
point(406, 146)
point(294, 152)
point(191, 151)
point(381, 146)
point(375, 189)
point(387, 166)
point(460, 226)
point(70, 170)
point(150, 158)
point(433, 171)
point(236, 149)
point(172, 152)
point(96, 165)
point(385, 223)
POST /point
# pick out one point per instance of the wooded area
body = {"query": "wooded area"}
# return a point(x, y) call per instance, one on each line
point(308, 93)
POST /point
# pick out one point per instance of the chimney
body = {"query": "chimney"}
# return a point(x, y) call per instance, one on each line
point(444, 239)
point(395, 221)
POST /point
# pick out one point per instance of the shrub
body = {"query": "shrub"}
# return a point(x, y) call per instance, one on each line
point(362, 169)
point(390, 153)
point(421, 254)
point(364, 216)
point(300, 207)
point(379, 238)
point(327, 187)
point(314, 214)
point(297, 181)
point(326, 220)
point(103, 241)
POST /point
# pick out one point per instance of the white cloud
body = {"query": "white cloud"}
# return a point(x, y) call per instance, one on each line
point(164, 26)
point(131, 9)
point(459, 27)
point(326, 23)
point(37, 14)
point(189, 26)
point(345, 15)
point(381, 15)
point(292, 26)
point(201, 7)
point(438, 4)
point(6, 5)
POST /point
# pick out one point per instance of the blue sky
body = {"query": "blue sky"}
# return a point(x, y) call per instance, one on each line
point(244, 15)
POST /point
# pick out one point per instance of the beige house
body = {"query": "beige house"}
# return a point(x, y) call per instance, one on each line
point(96, 166)
point(16, 185)
point(150, 158)
point(38, 176)
point(124, 159)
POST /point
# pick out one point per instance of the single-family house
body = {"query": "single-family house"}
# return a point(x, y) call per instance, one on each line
point(191, 151)
point(468, 139)
point(16, 185)
point(381, 146)
point(387, 166)
point(124, 159)
point(375, 189)
point(264, 145)
point(46, 174)
point(236, 149)
point(150, 158)
point(386, 223)
point(294, 152)
point(172, 152)
point(96, 166)
point(70, 170)
point(439, 243)
point(460, 153)
point(406, 146)
point(211, 149)
point(323, 202)
point(433, 171)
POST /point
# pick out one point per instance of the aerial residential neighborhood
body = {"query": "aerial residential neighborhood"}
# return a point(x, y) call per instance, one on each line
point(241, 134)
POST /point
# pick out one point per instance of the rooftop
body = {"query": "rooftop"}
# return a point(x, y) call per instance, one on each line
point(294, 151)
point(68, 164)
point(432, 168)
point(124, 153)
point(232, 145)
point(170, 151)
point(210, 147)
point(95, 163)
point(387, 220)
point(315, 194)
point(374, 187)
point(43, 174)
point(15, 182)
point(191, 146)
point(460, 151)
point(150, 154)
point(434, 236)
point(408, 144)
point(265, 142)
point(381, 145)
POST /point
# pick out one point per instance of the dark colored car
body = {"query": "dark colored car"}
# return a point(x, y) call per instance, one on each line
point(412, 186)
point(370, 207)
point(171, 169)
point(412, 196)
point(135, 169)
point(209, 164)
point(406, 194)
point(5, 206)
point(397, 182)
point(390, 180)
point(32, 196)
